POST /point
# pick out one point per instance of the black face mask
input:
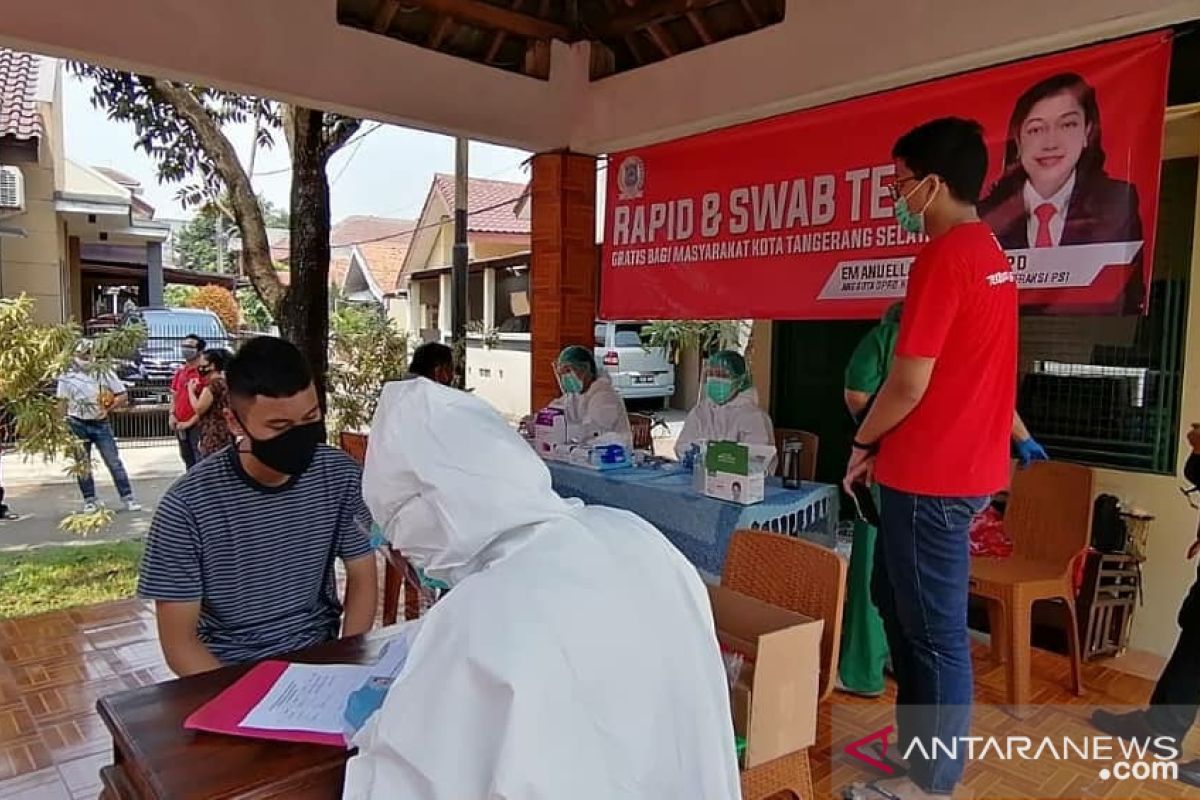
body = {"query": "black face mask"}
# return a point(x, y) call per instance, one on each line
point(291, 451)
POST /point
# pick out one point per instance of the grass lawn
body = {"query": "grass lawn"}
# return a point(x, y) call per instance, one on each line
point(50, 578)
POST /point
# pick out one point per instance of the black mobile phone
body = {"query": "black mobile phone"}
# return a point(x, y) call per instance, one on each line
point(864, 503)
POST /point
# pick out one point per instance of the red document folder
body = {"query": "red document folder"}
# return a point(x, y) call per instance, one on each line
point(225, 712)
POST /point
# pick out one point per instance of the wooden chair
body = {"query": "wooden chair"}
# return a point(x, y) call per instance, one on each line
point(789, 777)
point(808, 459)
point(642, 439)
point(793, 574)
point(1049, 519)
point(397, 572)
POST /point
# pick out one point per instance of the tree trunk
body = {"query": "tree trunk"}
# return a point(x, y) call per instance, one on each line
point(303, 315)
point(256, 249)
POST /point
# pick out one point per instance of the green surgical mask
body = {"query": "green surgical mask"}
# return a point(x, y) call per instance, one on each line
point(719, 390)
point(912, 221)
point(570, 383)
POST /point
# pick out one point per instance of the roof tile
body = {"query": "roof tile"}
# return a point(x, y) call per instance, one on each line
point(19, 117)
point(491, 205)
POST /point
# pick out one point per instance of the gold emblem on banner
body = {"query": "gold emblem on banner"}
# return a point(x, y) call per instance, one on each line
point(631, 178)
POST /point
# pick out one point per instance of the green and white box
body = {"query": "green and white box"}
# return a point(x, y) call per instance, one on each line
point(736, 472)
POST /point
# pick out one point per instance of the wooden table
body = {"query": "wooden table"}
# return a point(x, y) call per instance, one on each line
point(155, 758)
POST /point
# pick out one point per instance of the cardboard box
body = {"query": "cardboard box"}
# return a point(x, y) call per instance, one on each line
point(736, 472)
point(774, 701)
point(549, 430)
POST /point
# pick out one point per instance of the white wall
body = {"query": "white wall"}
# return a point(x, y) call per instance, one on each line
point(501, 377)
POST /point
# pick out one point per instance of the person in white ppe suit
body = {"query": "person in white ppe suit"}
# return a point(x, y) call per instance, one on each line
point(728, 410)
point(574, 655)
point(593, 408)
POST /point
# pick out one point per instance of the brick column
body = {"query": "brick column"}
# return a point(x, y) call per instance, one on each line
point(564, 277)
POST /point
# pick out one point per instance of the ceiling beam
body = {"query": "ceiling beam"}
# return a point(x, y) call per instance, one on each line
point(498, 39)
point(441, 29)
point(751, 14)
point(385, 12)
point(644, 14)
point(489, 17)
point(698, 27)
point(661, 40)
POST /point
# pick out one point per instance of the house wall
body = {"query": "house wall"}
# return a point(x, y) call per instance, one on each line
point(484, 248)
point(502, 375)
point(36, 264)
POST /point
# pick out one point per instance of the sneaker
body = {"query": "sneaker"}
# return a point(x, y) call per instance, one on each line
point(91, 507)
point(132, 505)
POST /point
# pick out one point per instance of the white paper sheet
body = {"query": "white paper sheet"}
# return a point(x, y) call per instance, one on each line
point(308, 697)
point(312, 697)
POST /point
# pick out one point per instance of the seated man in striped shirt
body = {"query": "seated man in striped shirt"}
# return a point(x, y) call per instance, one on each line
point(240, 557)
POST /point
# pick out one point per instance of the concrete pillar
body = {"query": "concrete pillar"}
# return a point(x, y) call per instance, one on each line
point(564, 266)
point(489, 299)
point(416, 319)
point(445, 290)
point(154, 274)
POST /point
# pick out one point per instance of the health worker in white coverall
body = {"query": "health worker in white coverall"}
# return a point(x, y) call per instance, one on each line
point(574, 655)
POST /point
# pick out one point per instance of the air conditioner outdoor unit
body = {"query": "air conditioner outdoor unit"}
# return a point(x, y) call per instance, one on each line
point(12, 191)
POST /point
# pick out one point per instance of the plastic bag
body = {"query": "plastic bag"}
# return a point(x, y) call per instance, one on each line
point(988, 539)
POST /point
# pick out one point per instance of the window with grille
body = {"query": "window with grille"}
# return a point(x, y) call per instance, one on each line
point(1105, 390)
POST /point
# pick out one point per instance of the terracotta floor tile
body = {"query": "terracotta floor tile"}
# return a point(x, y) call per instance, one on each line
point(98, 616)
point(75, 737)
point(90, 666)
point(148, 676)
point(16, 722)
point(71, 700)
point(138, 655)
point(122, 633)
point(82, 776)
point(18, 756)
point(42, 650)
point(55, 625)
point(44, 784)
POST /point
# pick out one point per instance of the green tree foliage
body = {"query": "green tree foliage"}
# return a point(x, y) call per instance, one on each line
point(32, 358)
point(196, 243)
point(365, 351)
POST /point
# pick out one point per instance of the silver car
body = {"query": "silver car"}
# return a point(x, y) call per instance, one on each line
point(637, 370)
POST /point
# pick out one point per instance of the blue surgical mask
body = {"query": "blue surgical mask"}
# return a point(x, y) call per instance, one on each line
point(719, 390)
point(570, 383)
point(913, 221)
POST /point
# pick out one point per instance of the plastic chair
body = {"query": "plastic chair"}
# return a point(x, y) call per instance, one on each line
point(397, 572)
point(642, 439)
point(793, 574)
point(808, 459)
point(1049, 519)
point(788, 777)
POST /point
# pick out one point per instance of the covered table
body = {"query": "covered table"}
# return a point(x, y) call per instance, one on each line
point(701, 526)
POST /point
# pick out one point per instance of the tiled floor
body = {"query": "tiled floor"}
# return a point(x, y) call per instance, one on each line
point(53, 667)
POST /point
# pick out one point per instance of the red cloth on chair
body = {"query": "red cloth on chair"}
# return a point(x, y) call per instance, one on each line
point(988, 539)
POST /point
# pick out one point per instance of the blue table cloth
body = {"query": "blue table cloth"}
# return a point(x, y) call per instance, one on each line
point(699, 526)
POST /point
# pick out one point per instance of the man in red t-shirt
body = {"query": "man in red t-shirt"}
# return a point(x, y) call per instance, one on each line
point(937, 442)
point(192, 347)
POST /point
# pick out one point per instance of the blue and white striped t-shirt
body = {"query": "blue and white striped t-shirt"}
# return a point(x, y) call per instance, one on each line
point(259, 559)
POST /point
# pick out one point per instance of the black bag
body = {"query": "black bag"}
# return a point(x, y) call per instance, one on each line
point(1108, 527)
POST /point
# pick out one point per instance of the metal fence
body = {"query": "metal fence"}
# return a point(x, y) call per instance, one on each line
point(147, 374)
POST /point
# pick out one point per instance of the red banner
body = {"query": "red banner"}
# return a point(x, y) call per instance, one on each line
point(790, 218)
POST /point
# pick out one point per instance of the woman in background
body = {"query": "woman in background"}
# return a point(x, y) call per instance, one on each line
point(728, 410)
point(210, 401)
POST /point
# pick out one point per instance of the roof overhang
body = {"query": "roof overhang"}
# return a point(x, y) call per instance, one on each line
point(821, 52)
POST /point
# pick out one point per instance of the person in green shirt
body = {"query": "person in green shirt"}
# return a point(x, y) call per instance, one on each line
point(864, 646)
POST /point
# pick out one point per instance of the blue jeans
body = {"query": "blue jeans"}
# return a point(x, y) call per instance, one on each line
point(99, 433)
point(920, 585)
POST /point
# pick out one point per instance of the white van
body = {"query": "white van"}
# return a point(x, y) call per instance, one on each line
point(637, 371)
